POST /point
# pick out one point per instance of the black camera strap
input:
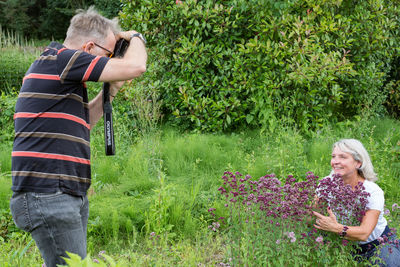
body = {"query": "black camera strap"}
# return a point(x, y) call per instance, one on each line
point(108, 122)
point(119, 51)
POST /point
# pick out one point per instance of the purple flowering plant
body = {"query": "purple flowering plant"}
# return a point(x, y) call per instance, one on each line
point(269, 220)
point(347, 204)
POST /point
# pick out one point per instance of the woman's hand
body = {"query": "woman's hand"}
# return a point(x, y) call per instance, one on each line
point(327, 223)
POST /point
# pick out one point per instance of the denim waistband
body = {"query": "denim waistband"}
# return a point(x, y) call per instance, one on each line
point(363, 248)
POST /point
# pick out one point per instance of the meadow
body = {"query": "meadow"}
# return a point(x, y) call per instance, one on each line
point(158, 202)
point(149, 203)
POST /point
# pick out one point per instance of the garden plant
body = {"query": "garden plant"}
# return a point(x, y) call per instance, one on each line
point(270, 222)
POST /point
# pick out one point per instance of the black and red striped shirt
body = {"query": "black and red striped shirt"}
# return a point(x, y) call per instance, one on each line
point(51, 149)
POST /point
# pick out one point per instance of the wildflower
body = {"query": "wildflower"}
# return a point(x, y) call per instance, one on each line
point(320, 240)
point(345, 242)
point(278, 241)
point(293, 239)
point(96, 260)
point(386, 212)
point(349, 205)
point(101, 252)
point(152, 234)
point(178, 2)
point(291, 235)
point(211, 211)
point(395, 206)
point(222, 190)
point(214, 226)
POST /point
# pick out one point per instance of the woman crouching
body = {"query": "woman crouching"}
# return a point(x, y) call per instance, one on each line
point(351, 162)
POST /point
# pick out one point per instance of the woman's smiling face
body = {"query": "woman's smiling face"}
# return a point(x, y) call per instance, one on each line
point(343, 163)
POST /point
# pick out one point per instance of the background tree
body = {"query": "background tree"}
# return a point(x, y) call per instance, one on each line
point(47, 19)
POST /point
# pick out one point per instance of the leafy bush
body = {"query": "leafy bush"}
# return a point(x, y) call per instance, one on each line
point(226, 64)
point(392, 89)
point(13, 66)
point(7, 104)
point(393, 98)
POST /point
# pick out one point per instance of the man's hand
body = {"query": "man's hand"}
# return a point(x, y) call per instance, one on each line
point(126, 35)
point(115, 86)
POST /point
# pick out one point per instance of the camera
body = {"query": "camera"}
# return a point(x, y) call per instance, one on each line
point(120, 48)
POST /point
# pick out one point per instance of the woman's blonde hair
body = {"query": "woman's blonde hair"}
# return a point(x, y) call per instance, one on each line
point(360, 154)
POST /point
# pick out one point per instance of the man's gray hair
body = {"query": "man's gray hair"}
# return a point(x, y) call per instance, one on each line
point(88, 25)
point(360, 154)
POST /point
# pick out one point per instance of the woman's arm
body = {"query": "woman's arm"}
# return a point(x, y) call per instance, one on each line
point(358, 233)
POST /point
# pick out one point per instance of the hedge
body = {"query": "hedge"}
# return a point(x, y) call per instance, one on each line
point(224, 65)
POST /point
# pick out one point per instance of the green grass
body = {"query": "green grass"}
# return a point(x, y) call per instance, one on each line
point(5, 157)
point(165, 182)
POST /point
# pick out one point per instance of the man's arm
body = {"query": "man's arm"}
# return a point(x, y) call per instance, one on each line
point(96, 105)
point(132, 65)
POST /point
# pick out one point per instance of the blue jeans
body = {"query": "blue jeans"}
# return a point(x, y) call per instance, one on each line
point(388, 254)
point(56, 221)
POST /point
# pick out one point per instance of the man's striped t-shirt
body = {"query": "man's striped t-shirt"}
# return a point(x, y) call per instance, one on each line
point(51, 149)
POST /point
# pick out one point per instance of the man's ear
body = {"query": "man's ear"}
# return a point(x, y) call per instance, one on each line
point(87, 47)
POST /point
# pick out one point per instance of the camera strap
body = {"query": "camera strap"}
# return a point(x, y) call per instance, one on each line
point(108, 122)
point(119, 51)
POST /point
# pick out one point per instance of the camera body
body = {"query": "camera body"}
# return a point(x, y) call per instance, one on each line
point(120, 47)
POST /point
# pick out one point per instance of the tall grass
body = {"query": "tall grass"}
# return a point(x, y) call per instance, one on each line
point(12, 39)
point(17, 54)
point(161, 186)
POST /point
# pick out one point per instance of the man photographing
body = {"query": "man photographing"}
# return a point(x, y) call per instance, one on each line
point(52, 120)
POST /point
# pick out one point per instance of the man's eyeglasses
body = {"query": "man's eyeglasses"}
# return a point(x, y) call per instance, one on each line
point(110, 54)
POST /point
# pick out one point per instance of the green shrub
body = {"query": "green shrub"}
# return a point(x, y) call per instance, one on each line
point(228, 64)
point(393, 98)
point(392, 89)
point(13, 66)
point(7, 104)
